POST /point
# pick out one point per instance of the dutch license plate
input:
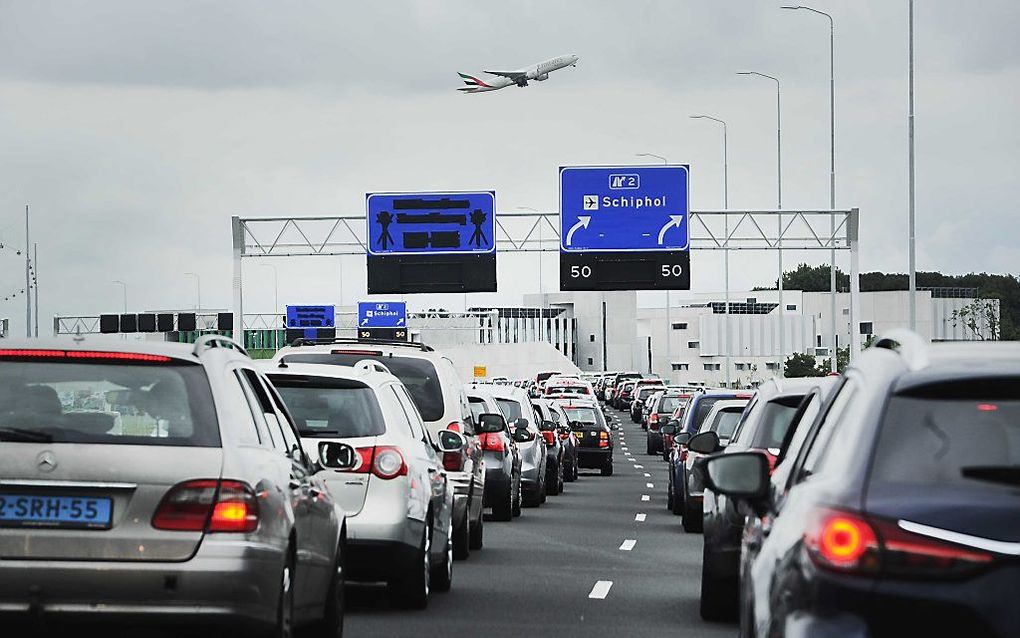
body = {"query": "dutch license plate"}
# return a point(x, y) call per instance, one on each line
point(34, 510)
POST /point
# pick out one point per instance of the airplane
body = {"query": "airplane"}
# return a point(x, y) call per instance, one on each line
point(520, 77)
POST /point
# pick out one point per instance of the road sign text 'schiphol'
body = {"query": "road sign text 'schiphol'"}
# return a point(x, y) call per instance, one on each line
point(623, 208)
point(624, 228)
point(382, 314)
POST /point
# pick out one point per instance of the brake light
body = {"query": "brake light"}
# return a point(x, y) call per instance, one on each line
point(603, 439)
point(453, 461)
point(186, 507)
point(388, 462)
point(849, 542)
point(84, 354)
point(653, 418)
point(492, 442)
point(367, 353)
point(455, 426)
point(550, 438)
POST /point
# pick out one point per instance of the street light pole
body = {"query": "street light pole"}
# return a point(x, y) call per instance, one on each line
point(198, 283)
point(28, 280)
point(832, 173)
point(910, 183)
point(779, 206)
point(669, 319)
point(726, 247)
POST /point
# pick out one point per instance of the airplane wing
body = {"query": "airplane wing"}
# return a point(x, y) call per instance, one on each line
point(519, 77)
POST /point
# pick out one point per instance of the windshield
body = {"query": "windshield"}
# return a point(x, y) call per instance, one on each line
point(330, 407)
point(725, 422)
point(583, 415)
point(137, 404)
point(948, 441)
point(419, 375)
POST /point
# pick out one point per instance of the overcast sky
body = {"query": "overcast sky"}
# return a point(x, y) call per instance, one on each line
point(135, 129)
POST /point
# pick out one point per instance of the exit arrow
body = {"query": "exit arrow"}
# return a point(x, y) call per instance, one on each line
point(364, 321)
point(583, 221)
point(400, 322)
point(674, 221)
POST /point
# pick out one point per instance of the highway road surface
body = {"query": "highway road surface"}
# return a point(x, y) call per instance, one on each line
point(605, 558)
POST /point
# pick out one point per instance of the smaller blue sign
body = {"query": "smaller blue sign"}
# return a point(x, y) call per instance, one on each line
point(311, 316)
point(382, 314)
point(431, 223)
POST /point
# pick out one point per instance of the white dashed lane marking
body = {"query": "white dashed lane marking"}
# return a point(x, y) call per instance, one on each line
point(601, 589)
point(647, 475)
point(650, 485)
point(640, 517)
point(645, 497)
point(628, 545)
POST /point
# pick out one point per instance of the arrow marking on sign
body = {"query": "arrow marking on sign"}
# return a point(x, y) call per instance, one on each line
point(582, 222)
point(364, 321)
point(674, 221)
point(400, 322)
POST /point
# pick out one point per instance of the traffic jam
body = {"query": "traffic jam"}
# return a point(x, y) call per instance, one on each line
point(187, 484)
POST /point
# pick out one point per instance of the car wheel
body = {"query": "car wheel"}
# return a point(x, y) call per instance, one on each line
point(570, 471)
point(552, 486)
point(718, 595)
point(475, 537)
point(285, 601)
point(441, 575)
point(518, 500)
point(679, 496)
point(460, 536)
point(332, 623)
point(691, 518)
point(648, 446)
point(669, 495)
point(607, 469)
point(575, 469)
point(412, 591)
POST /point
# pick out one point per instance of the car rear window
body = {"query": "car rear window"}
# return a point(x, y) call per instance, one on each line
point(776, 416)
point(967, 435)
point(111, 403)
point(511, 410)
point(701, 411)
point(581, 414)
point(567, 389)
point(725, 422)
point(330, 407)
point(418, 375)
point(478, 408)
point(668, 404)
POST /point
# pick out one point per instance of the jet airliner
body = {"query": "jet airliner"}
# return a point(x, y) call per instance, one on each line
point(520, 77)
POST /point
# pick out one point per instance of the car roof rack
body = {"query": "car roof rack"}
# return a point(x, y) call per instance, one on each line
point(216, 341)
point(297, 343)
point(908, 344)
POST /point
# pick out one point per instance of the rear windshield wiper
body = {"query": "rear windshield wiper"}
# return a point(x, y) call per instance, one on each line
point(1004, 474)
point(24, 436)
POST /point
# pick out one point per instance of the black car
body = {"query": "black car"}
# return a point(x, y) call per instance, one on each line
point(595, 443)
point(641, 395)
point(774, 410)
point(897, 512)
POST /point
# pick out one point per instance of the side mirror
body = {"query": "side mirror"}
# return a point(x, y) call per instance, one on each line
point(520, 423)
point(682, 439)
point(743, 475)
point(450, 441)
point(337, 456)
point(491, 423)
point(547, 426)
point(668, 429)
point(705, 443)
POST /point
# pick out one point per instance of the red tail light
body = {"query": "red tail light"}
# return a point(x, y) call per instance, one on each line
point(564, 436)
point(550, 438)
point(83, 354)
point(209, 505)
point(453, 461)
point(528, 435)
point(848, 542)
point(492, 442)
point(384, 461)
point(455, 426)
point(603, 439)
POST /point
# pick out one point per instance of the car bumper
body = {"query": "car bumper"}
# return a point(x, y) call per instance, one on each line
point(226, 581)
point(380, 560)
point(591, 457)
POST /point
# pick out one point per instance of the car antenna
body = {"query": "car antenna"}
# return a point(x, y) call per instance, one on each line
point(283, 364)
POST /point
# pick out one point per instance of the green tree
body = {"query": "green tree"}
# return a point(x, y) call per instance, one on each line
point(801, 365)
point(980, 317)
point(842, 361)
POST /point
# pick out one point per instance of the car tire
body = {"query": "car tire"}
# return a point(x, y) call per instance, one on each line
point(503, 509)
point(552, 487)
point(607, 469)
point(518, 500)
point(669, 495)
point(475, 538)
point(570, 471)
point(461, 550)
point(285, 601)
point(692, 519)
point(331, 625)
point(576, 473)
point(441, 575)
point(412, 591)
point(679, 495)
point(648, 446)
point(718, 595)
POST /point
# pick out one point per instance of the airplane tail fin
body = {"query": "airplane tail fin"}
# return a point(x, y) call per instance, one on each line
point(471, 80)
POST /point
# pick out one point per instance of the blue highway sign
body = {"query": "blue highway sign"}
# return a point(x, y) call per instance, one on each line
point(624, 208)
point(311, 316)
point(431, 223)
point(388, 314)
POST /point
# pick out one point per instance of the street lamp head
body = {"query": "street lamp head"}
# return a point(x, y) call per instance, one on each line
point(790, 6)
point(745, 72)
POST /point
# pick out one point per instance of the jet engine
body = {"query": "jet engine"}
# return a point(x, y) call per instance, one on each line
point(543, 76)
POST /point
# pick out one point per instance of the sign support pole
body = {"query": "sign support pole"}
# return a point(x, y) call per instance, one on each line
point(237, 233)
